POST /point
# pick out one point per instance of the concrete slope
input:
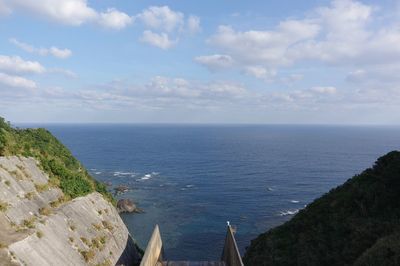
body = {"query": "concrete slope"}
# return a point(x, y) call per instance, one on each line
point(37, 228)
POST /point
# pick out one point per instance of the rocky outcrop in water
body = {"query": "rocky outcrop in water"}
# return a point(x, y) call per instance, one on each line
point(127, 205)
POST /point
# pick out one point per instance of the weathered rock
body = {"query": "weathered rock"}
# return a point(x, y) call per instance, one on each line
point(108, 183)
point(121, 189)
point(127, 205)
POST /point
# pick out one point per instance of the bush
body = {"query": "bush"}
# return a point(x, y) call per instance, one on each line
point(55, 159)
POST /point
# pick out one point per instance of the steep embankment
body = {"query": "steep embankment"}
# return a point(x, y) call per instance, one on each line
point(357, 223)
point(51, 211)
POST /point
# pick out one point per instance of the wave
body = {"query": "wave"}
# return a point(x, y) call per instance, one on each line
point(294, 201)
point(97, 173)
point(118, 173)
point(189, 186)
point(288, 212)
point(145, 177)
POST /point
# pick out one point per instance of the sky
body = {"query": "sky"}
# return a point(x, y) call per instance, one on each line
point(209, 61)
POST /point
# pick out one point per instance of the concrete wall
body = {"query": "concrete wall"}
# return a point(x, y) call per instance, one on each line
point(85, 231)
point(231, 255)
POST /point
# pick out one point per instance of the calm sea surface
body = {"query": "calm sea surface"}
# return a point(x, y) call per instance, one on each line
point(192, 179)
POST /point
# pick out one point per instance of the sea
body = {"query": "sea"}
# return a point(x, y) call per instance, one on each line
point(192, 179)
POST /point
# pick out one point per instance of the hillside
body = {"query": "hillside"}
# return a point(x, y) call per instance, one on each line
point(55, 159)
point(356, 223)
point(52, 212)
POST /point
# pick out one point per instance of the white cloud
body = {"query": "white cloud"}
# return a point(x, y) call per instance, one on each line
point(161, 22)
point(165, 90)
point(344, 33)
point(161, 18)
point(54, 51)
point(193, 24)
point(160, 40)
point(263, 47)
point(60, 53)
point(312, 96)
point(15, 64)
point(4, 9)
point(260, 72)
point(115, 19)
point(69, 12)
point(215, 62)
point(16, 81)
point(65, 72)
point(259, 53)
point(324, 90)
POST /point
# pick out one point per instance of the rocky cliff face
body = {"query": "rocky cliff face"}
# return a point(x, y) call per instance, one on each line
point(39, 226)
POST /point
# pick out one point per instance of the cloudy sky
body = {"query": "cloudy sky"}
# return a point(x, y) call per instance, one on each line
point(210, 61)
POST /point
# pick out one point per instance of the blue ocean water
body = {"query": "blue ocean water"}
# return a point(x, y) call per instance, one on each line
point(192, 179)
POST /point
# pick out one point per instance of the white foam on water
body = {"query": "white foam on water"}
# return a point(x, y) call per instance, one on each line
point(189, 186)
point(97, 173)
point(288, 212)
point(294, 201)
point(119, 173)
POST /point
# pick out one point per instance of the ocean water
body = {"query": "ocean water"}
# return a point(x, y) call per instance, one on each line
point(192, 179)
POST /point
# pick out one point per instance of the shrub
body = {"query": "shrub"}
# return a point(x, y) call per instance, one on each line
point(107, 225)
point(39, 234)
point(45, 211)
point(3, 206)
point(30, 195)
point(87, 254)
point(29, 223)
point(55, 159)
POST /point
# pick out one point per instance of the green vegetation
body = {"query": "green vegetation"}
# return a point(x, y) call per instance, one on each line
point(30, 195)
point(107, 225)
point(55, 159)
point(106, 262)
point(39, 234)
point(98, 227)
point(85, 241)
point(356, 223)
point(3, 206)
point(45, 211)
point(88, 254)
point(29, 223)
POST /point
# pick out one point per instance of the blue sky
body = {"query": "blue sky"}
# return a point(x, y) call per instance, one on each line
point(306, 62)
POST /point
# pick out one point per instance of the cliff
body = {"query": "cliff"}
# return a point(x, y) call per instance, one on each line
point(52, 212)
point(356, 223)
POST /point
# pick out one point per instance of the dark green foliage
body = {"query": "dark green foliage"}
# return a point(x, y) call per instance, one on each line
point(356, 221)
point(386, 251)
point(55, 159)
